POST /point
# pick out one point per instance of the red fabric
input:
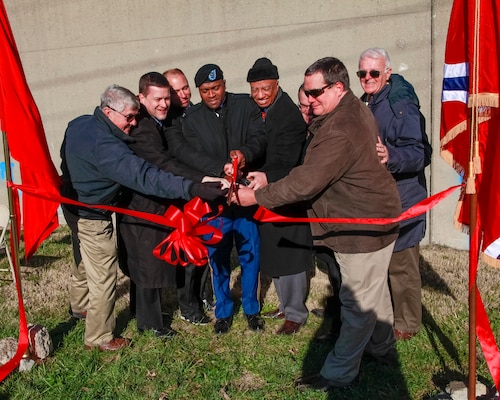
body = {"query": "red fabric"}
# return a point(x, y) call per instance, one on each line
point(184, 245)
point(264, 215)
point(469, 25)
point(20, 119)
point(23, 342)
point(470, 127)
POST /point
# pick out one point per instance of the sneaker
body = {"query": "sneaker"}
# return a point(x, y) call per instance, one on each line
point(222, 325)
point(255, 322)
point(197, 319)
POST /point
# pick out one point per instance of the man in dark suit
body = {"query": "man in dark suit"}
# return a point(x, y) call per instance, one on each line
point(286, 249)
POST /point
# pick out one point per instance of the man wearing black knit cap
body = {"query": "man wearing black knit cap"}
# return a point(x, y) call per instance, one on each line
point(285, 249)
point(210, 134)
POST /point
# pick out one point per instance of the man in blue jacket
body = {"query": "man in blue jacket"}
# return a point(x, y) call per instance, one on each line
point(97, 168)
point(405, 150)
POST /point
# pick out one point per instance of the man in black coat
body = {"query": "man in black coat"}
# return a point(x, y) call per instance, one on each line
point(286, 249)
point(138, 238)
point(210, 134)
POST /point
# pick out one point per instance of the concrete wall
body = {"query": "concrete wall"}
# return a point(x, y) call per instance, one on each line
point(72, 50)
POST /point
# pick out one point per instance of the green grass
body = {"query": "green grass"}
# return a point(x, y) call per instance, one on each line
point(196, 364)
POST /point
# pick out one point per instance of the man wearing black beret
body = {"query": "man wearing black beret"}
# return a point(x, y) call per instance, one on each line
point(286, 249)
point(225, 125)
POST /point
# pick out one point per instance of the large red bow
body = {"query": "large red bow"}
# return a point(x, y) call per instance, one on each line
point(185, 244)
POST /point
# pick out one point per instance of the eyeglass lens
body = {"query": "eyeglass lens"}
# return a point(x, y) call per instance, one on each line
point(316, 92)
point(373, 73)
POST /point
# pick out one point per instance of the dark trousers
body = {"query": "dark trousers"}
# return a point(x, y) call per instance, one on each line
point(191, 281)
point(148, 308)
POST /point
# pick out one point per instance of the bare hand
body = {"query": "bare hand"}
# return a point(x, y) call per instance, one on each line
point(257, 180)
point(382, 151)
point(241, 158)
point(246, 197)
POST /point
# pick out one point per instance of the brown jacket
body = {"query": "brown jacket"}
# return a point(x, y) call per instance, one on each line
point(342, 178)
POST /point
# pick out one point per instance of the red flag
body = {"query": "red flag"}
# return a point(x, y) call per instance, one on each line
point(20, 120)
point(470, 135)
point(470, 116)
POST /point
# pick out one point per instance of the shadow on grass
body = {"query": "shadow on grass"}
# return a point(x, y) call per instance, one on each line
point(60, 331)
point(432, 280)
point(376, 380)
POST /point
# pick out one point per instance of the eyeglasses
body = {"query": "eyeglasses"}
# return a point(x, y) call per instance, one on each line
point(317, 92)
point(373, 73)
point(129, 117)
point(304, 106)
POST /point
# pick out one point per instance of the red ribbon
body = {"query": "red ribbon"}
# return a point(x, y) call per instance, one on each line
point(185, 245)
point(187, 227)
point(264, 215)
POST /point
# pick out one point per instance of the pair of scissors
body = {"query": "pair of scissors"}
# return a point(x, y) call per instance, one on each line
point(233, 185)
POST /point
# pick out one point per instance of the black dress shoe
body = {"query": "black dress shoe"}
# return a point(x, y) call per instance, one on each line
point(318, 382)
point(255, 322)
point(319, 312)
point(274, 314)
point(222, 325)
point(164, 333)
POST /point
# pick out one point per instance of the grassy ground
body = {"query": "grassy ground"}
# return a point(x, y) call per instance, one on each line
point(240, 365)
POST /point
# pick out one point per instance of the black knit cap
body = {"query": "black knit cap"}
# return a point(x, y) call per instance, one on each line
point(208, 73)
point(263, 69)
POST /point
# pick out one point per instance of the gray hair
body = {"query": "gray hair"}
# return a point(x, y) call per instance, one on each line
point(376, 53)
point(118, 98)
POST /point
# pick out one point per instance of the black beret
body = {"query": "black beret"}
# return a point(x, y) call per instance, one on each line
point(263, 69)
point(208, 73)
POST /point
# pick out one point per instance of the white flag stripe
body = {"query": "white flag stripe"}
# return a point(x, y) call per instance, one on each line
point(456, 70)
point(455, 95)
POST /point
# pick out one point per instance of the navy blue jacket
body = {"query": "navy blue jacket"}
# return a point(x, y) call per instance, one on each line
point(98, 164)
point(402, 129)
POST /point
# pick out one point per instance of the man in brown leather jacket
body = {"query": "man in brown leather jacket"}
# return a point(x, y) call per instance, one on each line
point(342, 177)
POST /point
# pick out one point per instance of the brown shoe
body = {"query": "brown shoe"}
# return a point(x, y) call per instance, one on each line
point(112, 345)
point(274, 314)
point(402, 335)
point(289, 327)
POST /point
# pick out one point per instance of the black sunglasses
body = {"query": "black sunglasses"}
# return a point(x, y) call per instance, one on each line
point(317, 92)
point(373, 73)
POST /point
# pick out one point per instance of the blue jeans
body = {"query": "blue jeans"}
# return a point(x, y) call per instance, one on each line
point(243, 231)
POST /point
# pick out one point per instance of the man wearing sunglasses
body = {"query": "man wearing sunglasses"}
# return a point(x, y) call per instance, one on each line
point(404, 149)
point(341, 177)
point(97, 168)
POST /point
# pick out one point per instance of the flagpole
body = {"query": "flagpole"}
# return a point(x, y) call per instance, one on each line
point(13, 220)
point(14, 234)
point(473, 258)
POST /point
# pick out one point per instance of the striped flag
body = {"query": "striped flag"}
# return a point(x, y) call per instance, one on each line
point(470, 116)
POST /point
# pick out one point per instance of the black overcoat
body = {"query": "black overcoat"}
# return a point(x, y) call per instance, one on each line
point(286, 248)
point(137, 237)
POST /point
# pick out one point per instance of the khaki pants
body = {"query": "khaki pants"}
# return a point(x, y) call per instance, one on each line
point(367, 316)
point(405, 283)
point(98, 273)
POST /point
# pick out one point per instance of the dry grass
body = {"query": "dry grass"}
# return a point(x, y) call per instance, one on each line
point(444, 270)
